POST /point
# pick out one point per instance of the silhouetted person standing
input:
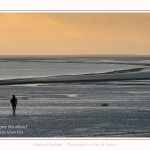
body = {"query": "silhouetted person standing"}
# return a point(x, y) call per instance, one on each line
point(13, 101)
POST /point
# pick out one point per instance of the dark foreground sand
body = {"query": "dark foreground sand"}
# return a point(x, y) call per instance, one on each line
point(77, 109)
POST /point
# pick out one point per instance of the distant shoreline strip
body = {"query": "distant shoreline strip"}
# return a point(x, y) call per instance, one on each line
point(80, 62)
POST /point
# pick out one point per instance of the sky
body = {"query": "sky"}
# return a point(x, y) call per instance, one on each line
point(74, 33)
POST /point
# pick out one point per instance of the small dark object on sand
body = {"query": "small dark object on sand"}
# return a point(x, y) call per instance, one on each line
point(104, 104)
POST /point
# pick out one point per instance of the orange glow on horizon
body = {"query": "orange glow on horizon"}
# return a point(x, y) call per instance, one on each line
point(74, 33)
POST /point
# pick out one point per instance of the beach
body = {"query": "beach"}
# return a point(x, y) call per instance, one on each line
point(108, 103)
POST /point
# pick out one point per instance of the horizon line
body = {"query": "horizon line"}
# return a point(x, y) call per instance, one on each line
point(81, 55)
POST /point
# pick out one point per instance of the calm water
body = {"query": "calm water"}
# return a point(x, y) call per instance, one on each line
point(23, 67)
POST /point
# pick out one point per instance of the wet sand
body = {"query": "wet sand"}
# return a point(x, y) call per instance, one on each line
point(130, 135)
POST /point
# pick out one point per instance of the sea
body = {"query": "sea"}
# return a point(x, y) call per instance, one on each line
point(116, 103)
